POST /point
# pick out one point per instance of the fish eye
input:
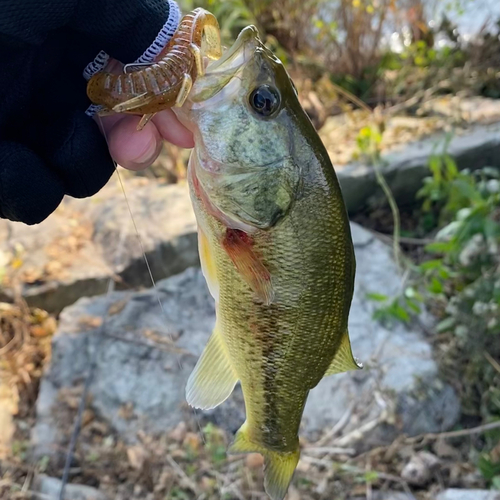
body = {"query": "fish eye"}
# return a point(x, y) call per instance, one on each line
point(265, 100)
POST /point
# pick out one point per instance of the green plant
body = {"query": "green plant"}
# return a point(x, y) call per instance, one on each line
point(490, 469)
point(460, 284)
point(369, 140)
point(215, 444)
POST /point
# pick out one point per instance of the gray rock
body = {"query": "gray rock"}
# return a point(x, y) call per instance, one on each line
point(388, 495)
point(407, 166)
point(419, 469)
point(143, 358)
point(45, 487)
point(456, 494)
point(79, 247)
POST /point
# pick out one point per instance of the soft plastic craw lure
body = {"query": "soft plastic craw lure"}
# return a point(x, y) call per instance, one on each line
point(167, 81)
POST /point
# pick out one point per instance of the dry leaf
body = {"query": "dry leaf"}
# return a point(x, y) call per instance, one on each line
point(126, 411)
point(87, 417)
point(192, 441)
point(117, 307)
point(136, 456)
point(16, 263)
point(90, 321)
point(444, 450)
point(179, 433)
point(8, 408)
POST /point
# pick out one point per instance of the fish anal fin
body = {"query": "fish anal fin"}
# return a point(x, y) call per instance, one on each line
point(213, 379)
point(239, 246)
point(344, 360)
point(207, 261)
point(279, 467)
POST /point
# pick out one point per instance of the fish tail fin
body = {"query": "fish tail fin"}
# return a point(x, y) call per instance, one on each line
point(278, 466)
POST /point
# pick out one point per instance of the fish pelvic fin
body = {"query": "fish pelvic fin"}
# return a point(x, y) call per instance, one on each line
point(344, 360)
point(238, 245)
point(279, 467)
point(208, 266)
point(213, 378)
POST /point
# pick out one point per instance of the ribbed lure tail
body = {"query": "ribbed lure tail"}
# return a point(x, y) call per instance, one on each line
point(278, 466)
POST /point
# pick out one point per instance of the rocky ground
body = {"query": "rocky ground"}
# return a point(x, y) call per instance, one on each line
point(364, 434)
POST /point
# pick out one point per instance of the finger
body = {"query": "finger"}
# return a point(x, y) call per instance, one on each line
point(132, 149)
point(172, 130)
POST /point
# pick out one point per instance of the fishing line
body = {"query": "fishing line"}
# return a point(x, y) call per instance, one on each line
point(111, 286)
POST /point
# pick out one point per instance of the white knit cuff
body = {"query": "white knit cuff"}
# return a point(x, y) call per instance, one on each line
point(149, 55)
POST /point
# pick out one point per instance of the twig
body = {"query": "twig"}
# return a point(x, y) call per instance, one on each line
point(463, 432)
point(369, 490)
point(394, 209)
point(493, 362)
point(330, 450)
point(359, 433)
point(341, 423)
point(403, 239)
point(178, 469)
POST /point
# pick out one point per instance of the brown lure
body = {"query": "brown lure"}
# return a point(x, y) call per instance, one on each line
point(167, 81)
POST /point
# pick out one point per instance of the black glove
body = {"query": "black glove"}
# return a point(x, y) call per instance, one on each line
point(49, 147)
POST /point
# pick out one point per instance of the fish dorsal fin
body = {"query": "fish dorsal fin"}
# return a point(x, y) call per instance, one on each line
point(213, 378)
point(344, 360)
point(207, 261)
point(239, 247)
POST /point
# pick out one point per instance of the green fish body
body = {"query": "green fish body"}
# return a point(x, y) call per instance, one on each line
point(275, 249)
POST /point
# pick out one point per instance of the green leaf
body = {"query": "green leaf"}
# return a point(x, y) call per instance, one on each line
point(440, 247)
point(430, 265)
point(491, 228)
point(451, 167)
point(495, 483)
point(435, 286)
point(488, 468)
point(446, 324)
point(467, 190)
point(413, 306)
point(377, 297)
point(435, 167)
point(401, 313)
point(371, 476)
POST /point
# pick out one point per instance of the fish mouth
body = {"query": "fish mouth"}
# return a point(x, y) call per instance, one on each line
point(221, 73)
point(247, 40)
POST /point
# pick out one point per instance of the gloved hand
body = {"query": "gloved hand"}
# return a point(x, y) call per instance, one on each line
point(49, 147)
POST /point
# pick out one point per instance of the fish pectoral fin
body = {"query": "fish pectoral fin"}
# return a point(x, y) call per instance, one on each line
point(238, 245)
point(344, 360)
point(208, 264)
point(213, 378)
point(279, 467)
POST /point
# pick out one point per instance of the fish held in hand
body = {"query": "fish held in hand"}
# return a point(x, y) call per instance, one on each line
point(275, 248)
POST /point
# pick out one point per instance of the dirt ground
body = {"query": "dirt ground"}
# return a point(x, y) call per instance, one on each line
point(190, 461)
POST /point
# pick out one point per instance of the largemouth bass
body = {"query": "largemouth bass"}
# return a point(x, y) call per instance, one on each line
point(275, 248)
